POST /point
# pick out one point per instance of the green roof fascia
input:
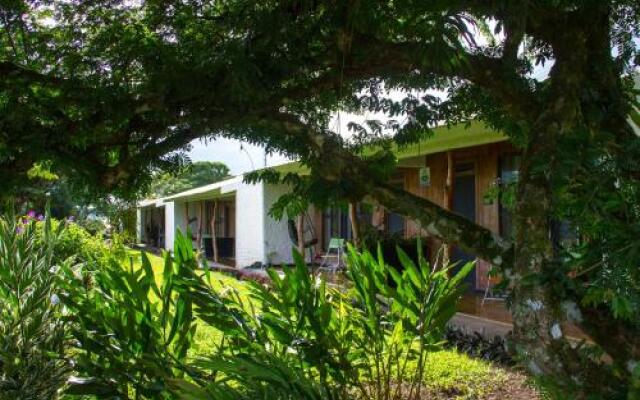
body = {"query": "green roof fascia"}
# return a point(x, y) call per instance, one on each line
point(444, 138)
point(451, 138)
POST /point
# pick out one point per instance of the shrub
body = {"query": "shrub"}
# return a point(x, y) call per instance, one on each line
point(478, 346)
point(32, 330)
point(93, 226)
point(311, 341)
point(132, 335)
point(74, 243)
point(305, 341)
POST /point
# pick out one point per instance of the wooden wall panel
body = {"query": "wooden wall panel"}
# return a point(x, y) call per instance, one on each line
point(486, 169)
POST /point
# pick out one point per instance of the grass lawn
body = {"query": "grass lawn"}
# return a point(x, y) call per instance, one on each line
point(449, 374)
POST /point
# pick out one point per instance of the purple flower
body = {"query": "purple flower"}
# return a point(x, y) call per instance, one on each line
point(31, 214)
point(70, 218)
point(40, 217)
point(19, 229)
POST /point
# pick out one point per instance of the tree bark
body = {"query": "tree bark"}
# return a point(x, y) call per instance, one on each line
point(446, 225)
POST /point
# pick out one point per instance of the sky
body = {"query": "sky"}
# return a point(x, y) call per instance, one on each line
point(239, 157)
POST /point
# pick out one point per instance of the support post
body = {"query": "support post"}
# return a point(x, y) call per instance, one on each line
point(355, 227)
point(300, 234)
point(200, 218)
point(214, 244)
point(448, 194)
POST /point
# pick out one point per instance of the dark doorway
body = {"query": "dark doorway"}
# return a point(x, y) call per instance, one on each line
point(464, 203)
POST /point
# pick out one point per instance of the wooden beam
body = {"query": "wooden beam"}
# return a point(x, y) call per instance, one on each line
point(200, 218)
point(448, 198)
point(300, 234)
point(214, 244)
point(355, 227)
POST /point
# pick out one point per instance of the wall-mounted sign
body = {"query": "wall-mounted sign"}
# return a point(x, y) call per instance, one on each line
point(425, 176)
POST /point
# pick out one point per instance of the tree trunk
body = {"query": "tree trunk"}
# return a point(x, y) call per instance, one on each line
point(445, 225)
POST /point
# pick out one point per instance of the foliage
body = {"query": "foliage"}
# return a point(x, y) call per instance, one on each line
point(121, 216)
point(190, 176)
point(33, 341)
point(93, 225)
point(479, 346)
point(369, 343)
point(109, 91)
point(74, 243)
point(295, 338)
point(126, 342)
point(449, 371)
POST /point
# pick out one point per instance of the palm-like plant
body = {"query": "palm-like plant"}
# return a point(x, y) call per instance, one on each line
point(402, 317)
point(309, 341)
point(32, 331)
point(132, 335)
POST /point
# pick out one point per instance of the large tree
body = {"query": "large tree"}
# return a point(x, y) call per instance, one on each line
point(105, 90)
point(196, 174)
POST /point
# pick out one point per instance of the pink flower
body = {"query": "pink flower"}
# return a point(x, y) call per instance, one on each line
point(31, 214)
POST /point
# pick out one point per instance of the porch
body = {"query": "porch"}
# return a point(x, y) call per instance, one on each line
point(208, 214)
point(151, 224)
point(492, 318)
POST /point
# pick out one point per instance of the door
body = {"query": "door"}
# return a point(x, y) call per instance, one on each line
point(464, 203)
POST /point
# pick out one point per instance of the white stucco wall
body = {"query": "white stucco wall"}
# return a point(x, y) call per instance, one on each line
point(179, 221)
point(139, 225)
point(250, 224)
point(169, 225)
point(277, 244)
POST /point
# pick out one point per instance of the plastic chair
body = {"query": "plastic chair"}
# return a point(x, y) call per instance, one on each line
point(488, 291)
point(332, 259)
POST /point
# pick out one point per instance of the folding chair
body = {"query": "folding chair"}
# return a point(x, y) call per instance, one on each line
point(332, 260)
point(489, 294)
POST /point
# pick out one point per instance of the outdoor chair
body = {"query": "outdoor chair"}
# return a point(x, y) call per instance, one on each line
point(489, 294)
point(332, 260)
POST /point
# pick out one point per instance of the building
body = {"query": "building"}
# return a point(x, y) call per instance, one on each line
point(456, 168)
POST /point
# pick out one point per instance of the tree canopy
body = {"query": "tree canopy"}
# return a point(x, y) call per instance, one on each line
point(196, 174)
point(108, 91)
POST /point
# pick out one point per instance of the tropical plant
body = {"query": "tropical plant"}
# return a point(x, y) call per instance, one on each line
point(311, 341)
point(132, 335)
point(33, 339)
point(403, 316)
point(107, 91)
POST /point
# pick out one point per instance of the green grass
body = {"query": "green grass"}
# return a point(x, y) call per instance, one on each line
point(448, 371)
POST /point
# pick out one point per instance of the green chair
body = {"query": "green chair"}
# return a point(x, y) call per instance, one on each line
point(332, 260)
